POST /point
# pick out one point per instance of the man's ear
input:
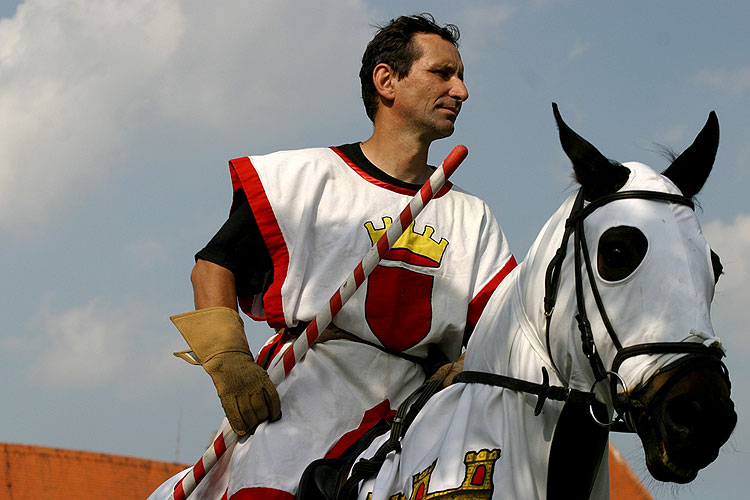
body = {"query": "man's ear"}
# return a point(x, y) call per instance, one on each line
point(384, 78)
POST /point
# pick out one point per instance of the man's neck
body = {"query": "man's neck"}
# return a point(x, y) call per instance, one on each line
point(398, 156)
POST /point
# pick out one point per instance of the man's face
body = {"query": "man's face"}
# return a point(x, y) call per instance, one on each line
point(429, 98)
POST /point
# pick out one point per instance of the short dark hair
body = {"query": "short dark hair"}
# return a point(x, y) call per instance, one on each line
point(393, 45)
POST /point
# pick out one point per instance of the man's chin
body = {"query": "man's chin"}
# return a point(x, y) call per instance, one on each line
point(445, 130)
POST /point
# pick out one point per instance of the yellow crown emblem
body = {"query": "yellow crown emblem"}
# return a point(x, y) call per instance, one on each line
point(477, 483)
point(411, 247)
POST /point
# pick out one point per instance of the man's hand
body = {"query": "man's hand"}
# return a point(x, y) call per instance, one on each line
point(449, 371)
point(247, 394)
point(217, 337)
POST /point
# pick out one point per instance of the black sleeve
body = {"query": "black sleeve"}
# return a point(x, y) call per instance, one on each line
point(239, 247)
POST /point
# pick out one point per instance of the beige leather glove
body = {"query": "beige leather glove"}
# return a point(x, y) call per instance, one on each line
point(217, 337)
point(449, 371)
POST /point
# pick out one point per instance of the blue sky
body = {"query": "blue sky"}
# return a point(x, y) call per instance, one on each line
point(117, 119)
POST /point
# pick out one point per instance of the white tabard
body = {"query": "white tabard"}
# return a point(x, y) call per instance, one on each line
point(319, 214)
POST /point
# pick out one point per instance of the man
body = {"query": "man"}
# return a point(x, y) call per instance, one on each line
point(300, 221)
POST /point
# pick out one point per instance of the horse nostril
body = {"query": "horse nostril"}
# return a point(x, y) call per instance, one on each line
point(684, 413)
point(699, 423)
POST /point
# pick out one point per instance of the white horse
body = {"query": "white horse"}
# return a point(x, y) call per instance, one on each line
point(610, 307)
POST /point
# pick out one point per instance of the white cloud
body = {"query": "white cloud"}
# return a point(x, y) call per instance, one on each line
point(98, 345)
point(729, 312)
point(481, 27)
point(242, 64)
point(145, 252)
point(674, 135)
point(86, 346)
point(735, 82)
point(579, 48)
point(86, 85)
point(732, 242)
point(71, 73)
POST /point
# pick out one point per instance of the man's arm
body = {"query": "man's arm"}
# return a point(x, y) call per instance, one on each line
point(215, 332)
point(213, 285)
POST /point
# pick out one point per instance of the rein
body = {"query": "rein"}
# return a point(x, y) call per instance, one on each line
point(623, 405)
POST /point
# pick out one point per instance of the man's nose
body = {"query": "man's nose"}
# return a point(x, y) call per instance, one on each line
point(459, 90)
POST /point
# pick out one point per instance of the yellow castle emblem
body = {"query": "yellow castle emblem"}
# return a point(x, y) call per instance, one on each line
point(411, 247)
point(477, 483)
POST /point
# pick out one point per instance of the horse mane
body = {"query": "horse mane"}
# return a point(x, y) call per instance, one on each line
point(665, 151)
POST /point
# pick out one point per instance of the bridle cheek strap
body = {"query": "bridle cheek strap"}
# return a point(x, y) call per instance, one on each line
point(574, 226)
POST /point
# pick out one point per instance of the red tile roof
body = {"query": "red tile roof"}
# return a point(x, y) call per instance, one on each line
point(623, 482)
point(37, 472)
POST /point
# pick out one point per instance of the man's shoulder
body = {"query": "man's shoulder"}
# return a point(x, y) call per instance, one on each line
point(307, 166)
point(295, 154)
point(472, 206)
point(467, 197)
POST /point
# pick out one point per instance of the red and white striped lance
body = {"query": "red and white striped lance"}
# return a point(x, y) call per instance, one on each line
point(294, 354)
point(185, 486)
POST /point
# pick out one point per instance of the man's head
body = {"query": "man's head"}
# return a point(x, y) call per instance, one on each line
point(394, 45)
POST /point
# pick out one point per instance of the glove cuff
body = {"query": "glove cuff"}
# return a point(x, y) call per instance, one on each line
point(212, 331)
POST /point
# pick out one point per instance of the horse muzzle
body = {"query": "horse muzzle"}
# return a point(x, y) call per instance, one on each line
point(683, 416)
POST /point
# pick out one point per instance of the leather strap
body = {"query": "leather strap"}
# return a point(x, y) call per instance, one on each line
point(544, 391)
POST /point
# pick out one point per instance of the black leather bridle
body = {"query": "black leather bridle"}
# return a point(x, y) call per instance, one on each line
point(623, 405)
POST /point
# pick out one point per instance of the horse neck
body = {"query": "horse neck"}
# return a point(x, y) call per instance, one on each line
point(510, 340)
point(510, 337)
point(531, 283)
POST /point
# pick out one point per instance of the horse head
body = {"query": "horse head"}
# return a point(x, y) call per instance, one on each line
point(646, 327)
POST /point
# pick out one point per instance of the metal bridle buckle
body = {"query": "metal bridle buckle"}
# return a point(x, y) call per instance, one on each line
point(617, 417)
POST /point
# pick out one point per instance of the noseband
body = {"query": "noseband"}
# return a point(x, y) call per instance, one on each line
point(623, 405)
point(574, 226)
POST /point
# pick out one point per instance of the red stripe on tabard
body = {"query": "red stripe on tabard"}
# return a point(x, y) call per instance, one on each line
point(242, 169)
point(219, 446)
point(236, 182)
point(335, 303)
point(359, 274)
point(371, 179)
point(369, 419)
point(272, 348)
point(199, 471)
point(224, 496)
point(378, 182)
point(476, 306)
point(261, 494)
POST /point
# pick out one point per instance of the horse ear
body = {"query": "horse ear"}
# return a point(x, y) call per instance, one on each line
point(597, 175)
point(690, 170)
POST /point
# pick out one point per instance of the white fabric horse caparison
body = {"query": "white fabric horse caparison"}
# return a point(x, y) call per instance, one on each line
point(485, 438)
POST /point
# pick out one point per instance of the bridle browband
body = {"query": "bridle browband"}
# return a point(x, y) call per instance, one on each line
point(622, 405)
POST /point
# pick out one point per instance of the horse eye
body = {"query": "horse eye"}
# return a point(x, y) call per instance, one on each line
point(716, 264)
point(621, 250)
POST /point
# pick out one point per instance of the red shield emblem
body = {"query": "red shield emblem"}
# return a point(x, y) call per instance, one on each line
point(398, 307)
